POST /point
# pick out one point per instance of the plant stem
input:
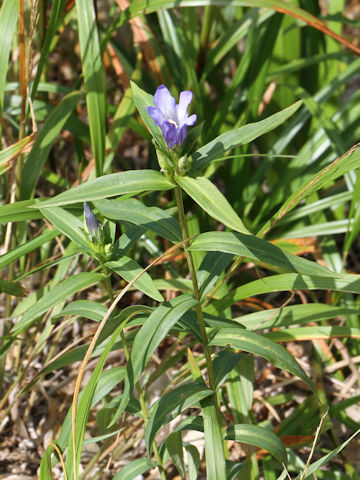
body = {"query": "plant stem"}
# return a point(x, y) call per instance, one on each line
point(199, 312)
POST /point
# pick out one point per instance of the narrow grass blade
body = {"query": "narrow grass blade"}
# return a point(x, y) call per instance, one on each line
point(8, 18)
point(258, 437)
point(27, 247)
point(57, 294)
point(44, 142)
point(173, 403)
point(259, 345)
point(94, 77)
point(134, 469)
point(214, 448)
point(259, 250)
point(9, 154)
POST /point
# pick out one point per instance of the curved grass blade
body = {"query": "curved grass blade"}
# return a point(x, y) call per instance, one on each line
point(259, 250)
point(134, 469)
point(349, 161)
point(58, 294)
point(44, 141)
point(259, 345)
point(258, 437)
point(8, 154)
point(173, 403)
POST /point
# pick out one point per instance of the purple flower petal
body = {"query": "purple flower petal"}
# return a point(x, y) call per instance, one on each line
point(184, 101)
point(156, 115)
point(165, 102)
point(169, 133)
point(191, 120)
point(182, 134)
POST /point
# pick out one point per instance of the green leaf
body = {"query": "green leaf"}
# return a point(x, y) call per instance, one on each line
point(83, 308)
point(44, 142)
point(8, 21)
point(259, 250)
point(11, 288)
point(210, 199)
point(27, 247)
point(312, 333)
point(223, 363)
point(292, 315)
point(193, 458)
point(240, 136)
point(212, 266)
point(134, 469)
point(174, 446)
point(134, 211)
point(214, 448)
point(312, 469)
point(259, 345)
point(7, 155)
point(68, 224)
point(290, 281)
point(258, 437)
point(19, 211)
point(59, 293)
point(132, 181)
point(129, 269)
point(340, 166)
point(56, 17)
point(94, 76)
point(173, 402)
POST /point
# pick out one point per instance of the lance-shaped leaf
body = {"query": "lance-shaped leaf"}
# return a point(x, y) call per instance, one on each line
point(258, 250)
point(240, 136)
point(258, 437)
point(210, 199)
point(173, 403)
point(251, 342)
point(131, 181)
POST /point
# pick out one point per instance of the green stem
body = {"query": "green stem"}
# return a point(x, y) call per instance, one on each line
point(199, 312)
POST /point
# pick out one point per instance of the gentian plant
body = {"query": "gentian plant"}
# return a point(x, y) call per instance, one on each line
point(169, 292)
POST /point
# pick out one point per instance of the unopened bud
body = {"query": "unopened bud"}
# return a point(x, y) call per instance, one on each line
point(91, 222)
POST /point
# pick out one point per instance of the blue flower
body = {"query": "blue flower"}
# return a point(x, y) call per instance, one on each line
point(171, 118)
